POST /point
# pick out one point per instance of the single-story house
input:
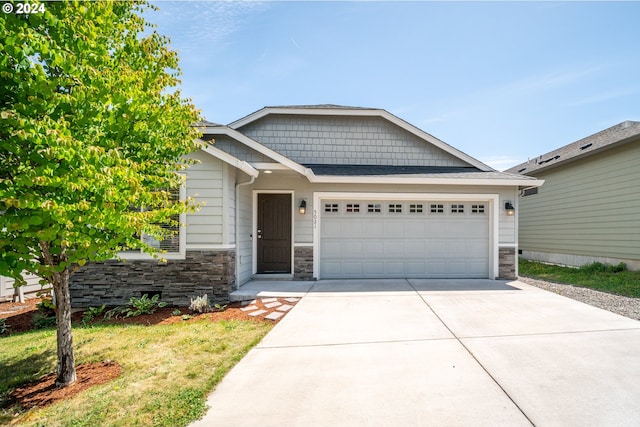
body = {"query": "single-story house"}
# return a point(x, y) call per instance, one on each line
point(589, 207)
point(324, 192)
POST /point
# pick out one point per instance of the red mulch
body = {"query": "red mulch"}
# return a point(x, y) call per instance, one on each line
point(44, 392)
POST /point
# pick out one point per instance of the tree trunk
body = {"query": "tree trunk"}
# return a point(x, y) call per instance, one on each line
point(66, 372)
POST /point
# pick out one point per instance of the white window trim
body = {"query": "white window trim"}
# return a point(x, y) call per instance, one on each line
point(492, 210)
point(182, 242)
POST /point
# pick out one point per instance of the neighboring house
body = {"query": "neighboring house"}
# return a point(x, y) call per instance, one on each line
point(324, 192)
point(10, 293)
point(589, 207)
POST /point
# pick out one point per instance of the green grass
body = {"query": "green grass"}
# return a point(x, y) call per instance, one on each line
point(168, 371)
point(614, 279)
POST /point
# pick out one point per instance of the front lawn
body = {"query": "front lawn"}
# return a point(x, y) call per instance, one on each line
point(606, 278)
point(167, 371)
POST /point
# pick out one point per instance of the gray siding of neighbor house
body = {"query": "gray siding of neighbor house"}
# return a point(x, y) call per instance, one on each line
point(345, 140)
point(587, 210)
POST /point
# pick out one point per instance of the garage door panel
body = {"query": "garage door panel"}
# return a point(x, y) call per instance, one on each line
point(408, 244)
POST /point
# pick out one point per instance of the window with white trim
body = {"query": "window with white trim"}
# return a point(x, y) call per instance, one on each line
point(353, 207)
point(374, 208)
point(395, 208)
point(415, 208)
point(477, 209)
point(435, 208)
point(172, 244)
point(457, 208)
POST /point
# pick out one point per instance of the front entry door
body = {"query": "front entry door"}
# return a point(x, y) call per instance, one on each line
point(274, 233)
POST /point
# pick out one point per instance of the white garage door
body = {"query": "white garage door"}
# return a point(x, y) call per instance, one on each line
point(397, 239)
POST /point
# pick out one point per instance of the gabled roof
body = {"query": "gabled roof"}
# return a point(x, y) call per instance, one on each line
point(370, 170)
point(621, 133)
point(336, 110)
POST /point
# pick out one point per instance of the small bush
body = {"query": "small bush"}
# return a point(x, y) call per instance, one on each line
point(200, 304)
point(3, 326)
point(92, 313)
point(136, 307)
point(43, 320)
point(46, 306)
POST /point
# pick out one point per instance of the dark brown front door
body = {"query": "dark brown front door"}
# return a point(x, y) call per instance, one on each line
point(274, 233)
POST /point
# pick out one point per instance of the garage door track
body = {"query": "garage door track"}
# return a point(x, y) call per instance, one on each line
point(436, 352)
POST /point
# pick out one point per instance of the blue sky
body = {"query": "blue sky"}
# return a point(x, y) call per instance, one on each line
point(501, 81)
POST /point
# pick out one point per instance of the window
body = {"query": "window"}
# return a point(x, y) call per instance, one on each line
point(457, 208)
point(395, 208)
point(353, 207)
point(437, 208)
point(331, 207)
point(374, 208)
point(477, 209)
point(415, 208)
point(173, 244)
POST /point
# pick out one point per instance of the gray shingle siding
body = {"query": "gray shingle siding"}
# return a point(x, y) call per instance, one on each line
point(345, 140)
point(239, 150)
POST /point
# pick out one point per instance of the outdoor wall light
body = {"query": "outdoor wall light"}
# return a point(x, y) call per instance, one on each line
point(509, 208)
point(303, 207)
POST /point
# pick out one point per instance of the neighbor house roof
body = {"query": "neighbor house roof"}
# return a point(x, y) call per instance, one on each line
point(621, 133)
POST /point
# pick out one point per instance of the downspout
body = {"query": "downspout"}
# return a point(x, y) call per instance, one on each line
point(237, 237)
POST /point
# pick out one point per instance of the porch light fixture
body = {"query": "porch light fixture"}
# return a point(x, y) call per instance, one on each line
point(510, 209)
point(302, 209)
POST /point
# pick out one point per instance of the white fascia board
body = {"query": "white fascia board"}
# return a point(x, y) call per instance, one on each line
point(233, 161)
point(255, 145)
point(364, 112)
point(325, 179)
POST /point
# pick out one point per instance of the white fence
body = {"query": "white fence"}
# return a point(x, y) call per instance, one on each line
point(8, 292)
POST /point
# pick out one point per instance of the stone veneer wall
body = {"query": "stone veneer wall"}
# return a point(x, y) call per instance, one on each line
point(507, 263)
point(115, 282)
point(303, 263)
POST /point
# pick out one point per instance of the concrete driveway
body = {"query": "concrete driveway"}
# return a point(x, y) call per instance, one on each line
point(436, 352)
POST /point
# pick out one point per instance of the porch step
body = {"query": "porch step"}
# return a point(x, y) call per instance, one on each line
point(279, 277)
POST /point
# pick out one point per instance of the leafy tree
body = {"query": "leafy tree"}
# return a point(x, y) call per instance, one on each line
point(91, 125)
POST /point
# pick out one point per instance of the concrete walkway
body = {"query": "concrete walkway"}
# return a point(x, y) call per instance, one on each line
point(434, 352)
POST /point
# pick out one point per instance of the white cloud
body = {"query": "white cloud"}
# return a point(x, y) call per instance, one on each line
point(501, 162)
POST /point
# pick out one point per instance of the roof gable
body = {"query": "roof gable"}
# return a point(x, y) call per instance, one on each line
point(348, 135)
point(619, 134)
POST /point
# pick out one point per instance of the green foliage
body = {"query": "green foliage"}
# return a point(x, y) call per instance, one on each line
point(200, 304)
point(90, 125)
point(602, 277)
point(137, 307)
point(43, 320)
point(220, 307)
point(91, 313)
point(46, 305)
point(3, 326)
point(176, 312)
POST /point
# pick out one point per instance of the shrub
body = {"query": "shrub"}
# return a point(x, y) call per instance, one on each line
point(137, 307)
point(3, 326)
point(92, 313)
point(43, 320)
point(598, 267)
point(200, 304)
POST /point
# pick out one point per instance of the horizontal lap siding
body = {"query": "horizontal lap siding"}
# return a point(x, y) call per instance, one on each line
point(590, 207)
point(205, 185)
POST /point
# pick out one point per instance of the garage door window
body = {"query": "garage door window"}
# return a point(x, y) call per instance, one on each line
point(477, 209)
point(331, 207)
point(353, 207)
point(437, 208)
point(374, 208)
point(415, 208)
point(395, 208)
point(457, 208)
